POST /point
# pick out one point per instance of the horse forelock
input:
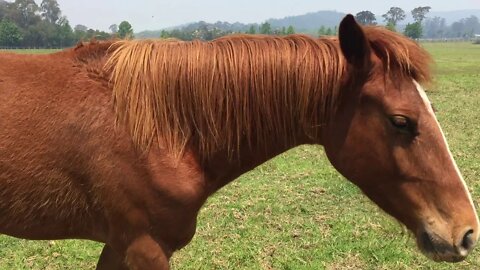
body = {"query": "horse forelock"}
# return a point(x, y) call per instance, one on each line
point(238, 89)
point(400, 55)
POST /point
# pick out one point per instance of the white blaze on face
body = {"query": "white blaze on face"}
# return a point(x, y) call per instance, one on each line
point(427, 103)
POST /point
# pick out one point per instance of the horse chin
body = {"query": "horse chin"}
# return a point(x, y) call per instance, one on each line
point(437, 257)
point(437, 249)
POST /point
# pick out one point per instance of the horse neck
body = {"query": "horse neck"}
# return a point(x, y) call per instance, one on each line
point(226, 164)
point(222, 168)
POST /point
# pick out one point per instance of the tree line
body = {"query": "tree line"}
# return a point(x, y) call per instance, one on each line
point(208, 31)
point(23, 23)
point(423, 26)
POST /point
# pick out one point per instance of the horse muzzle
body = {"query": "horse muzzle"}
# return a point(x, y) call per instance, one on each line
point(441, 250)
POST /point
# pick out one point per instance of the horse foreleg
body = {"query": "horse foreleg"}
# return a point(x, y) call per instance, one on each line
point(111, 260)
point(142, 254)
point(145, 253)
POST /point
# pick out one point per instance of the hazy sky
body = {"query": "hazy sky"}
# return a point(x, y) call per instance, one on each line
point(156, 14)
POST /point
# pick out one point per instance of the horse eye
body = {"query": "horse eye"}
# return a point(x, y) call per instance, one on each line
point(401, 123)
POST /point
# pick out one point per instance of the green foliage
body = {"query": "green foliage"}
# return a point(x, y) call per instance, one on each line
point(322, 31)
point(64, 33)
point(437, 27)
point(80, 28)
point(113, 28)
point(413, 30)
point(329, 32)
point(465, 27)
point(10, 34)
point(26, 12)
point(42, 26)
point(390, 26)
point(265, 28)
point(394, 15)
point(50, 10)
point(164, 34)
point(201, 32)
point(125, 30)
point(252, 30)
point(83, 33)
point(366, 18)
point(290, 30)
point(420, 13)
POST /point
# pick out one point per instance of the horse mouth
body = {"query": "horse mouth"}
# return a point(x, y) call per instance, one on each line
point(439, 250)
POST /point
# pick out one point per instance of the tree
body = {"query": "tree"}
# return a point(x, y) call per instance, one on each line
point(290, 30)
point(456, 29)
point(394, 15)
point(125, 30)
point(265, 28)
point(435, 27)
point(80, 32)
point(50, 10)
point(471, 26)
point(390, 26)
point(10, 34)
point(4, 7)
point(252, 30)
point(164, 34)
point(366, 18)
point(413, 30)
point(27, 12)
point(322, 31)
point(80, 28)
point(420, 13)
point(65, 34)
point(113, 28)
point(329, 32)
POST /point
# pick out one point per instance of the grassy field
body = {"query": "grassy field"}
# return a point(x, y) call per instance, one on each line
point(32, 51)
point(297, 212)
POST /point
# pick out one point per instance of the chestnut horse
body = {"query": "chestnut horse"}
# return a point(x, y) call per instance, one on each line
point(187, 118)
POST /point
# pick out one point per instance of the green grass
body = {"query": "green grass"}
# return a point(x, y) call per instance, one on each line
point(297, 212)
point(32, 51)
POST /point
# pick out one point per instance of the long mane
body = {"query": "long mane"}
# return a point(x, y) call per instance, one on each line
point(239, 89)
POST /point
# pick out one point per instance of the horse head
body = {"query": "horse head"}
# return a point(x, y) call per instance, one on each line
point(385, 138)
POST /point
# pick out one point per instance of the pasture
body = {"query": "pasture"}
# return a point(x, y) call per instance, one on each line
point(31, 51)
point(297, 212)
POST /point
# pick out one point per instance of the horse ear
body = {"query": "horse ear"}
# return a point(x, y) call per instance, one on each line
point(353, 42)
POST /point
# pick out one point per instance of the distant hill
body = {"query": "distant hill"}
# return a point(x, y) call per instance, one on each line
point(308, 23)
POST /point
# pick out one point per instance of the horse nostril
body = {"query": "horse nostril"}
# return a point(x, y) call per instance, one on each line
point(468, 241)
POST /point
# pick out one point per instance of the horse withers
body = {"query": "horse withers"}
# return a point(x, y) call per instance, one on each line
point(132, 170)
